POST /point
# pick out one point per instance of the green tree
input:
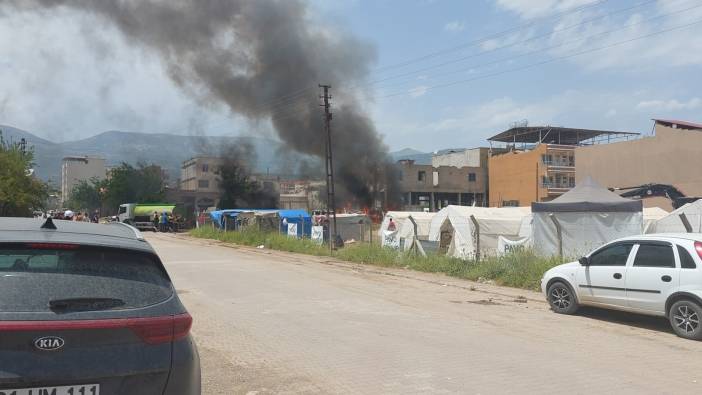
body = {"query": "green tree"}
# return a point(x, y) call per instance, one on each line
point(20, 191)
point(129, 184)
point(238, 190)
point(86, 195)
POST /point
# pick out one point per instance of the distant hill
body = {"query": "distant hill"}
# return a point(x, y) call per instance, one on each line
point(168, 151)
point(419, 157)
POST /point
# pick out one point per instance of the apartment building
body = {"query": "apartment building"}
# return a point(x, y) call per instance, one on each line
point(670, 156)
point(455, 177)
point(200, 174)
point(75, 169)
point(538, 163)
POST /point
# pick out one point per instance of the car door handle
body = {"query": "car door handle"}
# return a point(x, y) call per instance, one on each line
point(617, 275)
point(666, 279)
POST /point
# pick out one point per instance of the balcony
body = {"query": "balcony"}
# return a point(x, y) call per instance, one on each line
point(557, 188)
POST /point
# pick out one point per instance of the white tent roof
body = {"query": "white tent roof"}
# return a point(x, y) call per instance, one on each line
point(492, 223)
point(460, 214)
point(672, 223)
point(423, 221)
point(399, 216)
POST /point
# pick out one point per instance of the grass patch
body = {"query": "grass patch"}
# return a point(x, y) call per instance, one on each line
point(520, 270)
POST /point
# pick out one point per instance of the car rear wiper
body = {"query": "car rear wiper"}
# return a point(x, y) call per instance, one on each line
point(84, 304)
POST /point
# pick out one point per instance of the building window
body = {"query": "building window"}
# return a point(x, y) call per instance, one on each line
point(471, 177)
point(421, 176)
point(203, 183)
point(205, 168)
point(546, 159)
point(510, 203)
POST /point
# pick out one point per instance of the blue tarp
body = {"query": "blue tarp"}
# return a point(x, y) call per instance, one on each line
point(299, 217)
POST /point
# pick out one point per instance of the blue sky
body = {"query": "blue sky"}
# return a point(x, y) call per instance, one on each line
point(51, 79)
point(619, 88)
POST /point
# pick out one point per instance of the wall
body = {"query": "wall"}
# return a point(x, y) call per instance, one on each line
point(672, 156)
point(76, 169)
point(192, 172)
point(451, 179)
point(513, 176)
point(476, 157)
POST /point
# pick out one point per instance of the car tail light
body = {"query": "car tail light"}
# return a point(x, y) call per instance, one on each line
point(152, 330)
point(52, 246)
point(698, 248)
point(162, 329)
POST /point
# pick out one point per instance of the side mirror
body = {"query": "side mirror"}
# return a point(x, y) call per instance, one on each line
point(584, 261)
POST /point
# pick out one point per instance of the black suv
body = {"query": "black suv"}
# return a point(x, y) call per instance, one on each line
point(88, 309)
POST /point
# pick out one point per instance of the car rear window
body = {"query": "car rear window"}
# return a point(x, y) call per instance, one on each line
point(654, 255)
point(32, 277)
point(686, 261)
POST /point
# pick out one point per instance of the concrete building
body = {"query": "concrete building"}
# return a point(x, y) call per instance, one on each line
point(200, 174)
point(301, 194)
point(537, 163)
point(457, 177)
point(672, 156)
point(75, 169)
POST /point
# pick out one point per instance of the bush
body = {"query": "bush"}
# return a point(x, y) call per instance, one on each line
point(522, 269)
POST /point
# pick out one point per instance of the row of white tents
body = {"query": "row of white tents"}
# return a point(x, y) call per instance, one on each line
point(580, 220)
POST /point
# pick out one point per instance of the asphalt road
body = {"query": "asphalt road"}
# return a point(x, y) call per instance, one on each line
point(271, 322)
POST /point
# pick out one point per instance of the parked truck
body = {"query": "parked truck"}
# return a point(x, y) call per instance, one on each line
point(141, 215)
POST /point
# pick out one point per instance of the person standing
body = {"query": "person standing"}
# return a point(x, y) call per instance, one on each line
point(155, 220)
point(391, 225)
point(164, 222)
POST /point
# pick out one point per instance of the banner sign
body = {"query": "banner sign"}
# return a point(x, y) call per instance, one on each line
point(390, 239)
point(507, 246)
point(292, 230)
point(318, 234)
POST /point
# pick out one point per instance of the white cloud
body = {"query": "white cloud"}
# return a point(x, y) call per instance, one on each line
point(646, 38)
point(418, 91)
point(670, 105)
point(538, 8)
point(471, 125)
point(454, 26)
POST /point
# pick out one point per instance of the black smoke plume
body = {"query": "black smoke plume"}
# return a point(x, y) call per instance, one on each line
point(262, 59)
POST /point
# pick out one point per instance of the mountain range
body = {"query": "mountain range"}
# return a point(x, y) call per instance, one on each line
point(167, 150)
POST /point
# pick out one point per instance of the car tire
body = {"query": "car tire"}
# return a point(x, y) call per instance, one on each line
point(686, 319)
point(562, 299)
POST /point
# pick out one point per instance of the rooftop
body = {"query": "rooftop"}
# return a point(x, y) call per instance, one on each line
point(556, 135)
point(22, 230)
point(679, 124)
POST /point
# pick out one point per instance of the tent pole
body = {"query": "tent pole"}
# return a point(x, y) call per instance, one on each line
point(686, 222)
point(477, 237)
point(415, 240)
point(559, 234)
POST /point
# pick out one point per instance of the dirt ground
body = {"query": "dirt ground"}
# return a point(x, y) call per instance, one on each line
point(273, 322)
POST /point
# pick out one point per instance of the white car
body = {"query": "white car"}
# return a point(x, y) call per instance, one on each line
point(657, 274)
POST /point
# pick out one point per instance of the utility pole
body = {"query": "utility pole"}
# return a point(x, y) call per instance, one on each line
point(329, 164)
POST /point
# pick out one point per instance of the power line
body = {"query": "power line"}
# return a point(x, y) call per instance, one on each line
point(284, 101)
point(295, 94)
point(624, 27)
point(458, 60)
point(550, 60)
point(489, 37)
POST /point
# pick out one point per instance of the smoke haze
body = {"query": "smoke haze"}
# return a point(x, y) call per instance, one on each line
point(262, 59)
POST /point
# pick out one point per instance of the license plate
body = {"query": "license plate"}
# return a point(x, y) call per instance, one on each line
point(86, 389)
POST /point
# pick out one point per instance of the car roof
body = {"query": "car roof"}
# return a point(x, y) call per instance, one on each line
point(665, 236)
point(27, 230)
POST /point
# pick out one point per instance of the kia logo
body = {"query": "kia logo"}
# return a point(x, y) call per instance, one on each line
point(49, 343)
